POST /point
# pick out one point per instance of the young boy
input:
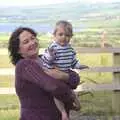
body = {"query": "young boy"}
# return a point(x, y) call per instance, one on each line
point(62, 56)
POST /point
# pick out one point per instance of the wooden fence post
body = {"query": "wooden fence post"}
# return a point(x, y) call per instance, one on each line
point(103, 39)
point(116, 80)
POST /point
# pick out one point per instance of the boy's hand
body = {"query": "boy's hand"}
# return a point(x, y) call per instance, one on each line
point(83, 67)
point(51, 52)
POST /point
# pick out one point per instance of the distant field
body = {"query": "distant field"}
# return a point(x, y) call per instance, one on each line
point(89, 37)
point(4, 37)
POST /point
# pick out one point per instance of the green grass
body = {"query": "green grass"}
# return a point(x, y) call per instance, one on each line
point(100, 104)
point(96, 77)
point(9, 107)
point(93, 60)
point(100, 59)
point(9, 102)
point(9, 114)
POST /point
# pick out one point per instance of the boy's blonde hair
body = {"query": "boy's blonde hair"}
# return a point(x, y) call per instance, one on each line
point(66, 25)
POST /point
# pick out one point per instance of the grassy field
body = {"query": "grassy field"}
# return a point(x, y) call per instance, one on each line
point(96, 104)
point(91, 36)
point(9, 114)
point(9, 107)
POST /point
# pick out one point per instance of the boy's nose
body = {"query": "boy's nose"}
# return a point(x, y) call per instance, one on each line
point(64, 36)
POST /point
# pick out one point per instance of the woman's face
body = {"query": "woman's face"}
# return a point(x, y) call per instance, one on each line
point(28, 46)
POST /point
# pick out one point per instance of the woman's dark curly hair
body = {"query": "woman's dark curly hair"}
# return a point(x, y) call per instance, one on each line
point(13, 44)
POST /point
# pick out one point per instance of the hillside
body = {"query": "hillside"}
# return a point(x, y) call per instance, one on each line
point(49, 14)
point(89, 20)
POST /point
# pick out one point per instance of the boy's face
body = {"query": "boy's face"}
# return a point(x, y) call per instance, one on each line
point(61, 37)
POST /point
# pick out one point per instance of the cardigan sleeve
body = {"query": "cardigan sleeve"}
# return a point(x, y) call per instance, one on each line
point(74, 79)
point(31, 71)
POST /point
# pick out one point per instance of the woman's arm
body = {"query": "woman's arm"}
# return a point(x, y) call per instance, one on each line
point(74, 79)
point(32, 72)
point(71, 78)
point(57, 74)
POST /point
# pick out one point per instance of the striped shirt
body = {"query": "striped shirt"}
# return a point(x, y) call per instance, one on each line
point(62, 57)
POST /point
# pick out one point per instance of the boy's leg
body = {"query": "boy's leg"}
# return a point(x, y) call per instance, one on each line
point(61, 108)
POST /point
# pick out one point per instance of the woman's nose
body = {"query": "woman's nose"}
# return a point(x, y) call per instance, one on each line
point(32, 42)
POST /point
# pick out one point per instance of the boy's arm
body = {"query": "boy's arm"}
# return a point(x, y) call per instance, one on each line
point(59, 105)
point(62, 109)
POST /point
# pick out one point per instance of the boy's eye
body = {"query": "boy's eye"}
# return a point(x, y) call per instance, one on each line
point(61, 34)
point(33, 38)
point(67, 35)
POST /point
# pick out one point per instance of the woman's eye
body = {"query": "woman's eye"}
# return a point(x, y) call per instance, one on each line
point(25, 41)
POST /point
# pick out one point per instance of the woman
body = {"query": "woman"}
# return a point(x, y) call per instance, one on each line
point(35, 87)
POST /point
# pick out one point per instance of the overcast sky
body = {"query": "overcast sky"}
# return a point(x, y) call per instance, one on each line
point(43, 2)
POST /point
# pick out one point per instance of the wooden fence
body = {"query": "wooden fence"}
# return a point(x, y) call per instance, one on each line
point(115, 86)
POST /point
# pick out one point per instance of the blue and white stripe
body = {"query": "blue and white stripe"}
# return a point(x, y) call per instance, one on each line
point(64, 57)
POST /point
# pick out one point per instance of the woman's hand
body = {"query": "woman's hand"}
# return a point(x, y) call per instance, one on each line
point(57, 74)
